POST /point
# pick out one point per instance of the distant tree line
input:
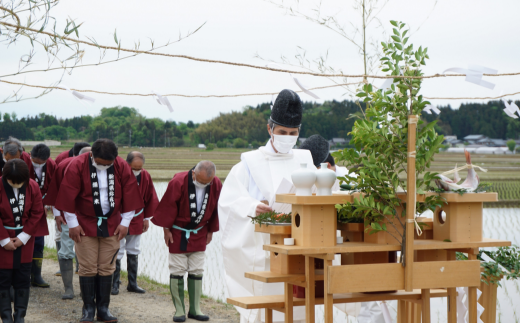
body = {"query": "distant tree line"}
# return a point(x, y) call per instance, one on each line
point(331, 119)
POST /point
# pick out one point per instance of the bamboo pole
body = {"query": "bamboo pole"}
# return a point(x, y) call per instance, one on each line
point(410, 203)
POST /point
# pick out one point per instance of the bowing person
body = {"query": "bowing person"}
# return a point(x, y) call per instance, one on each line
point(41, 170)
point(99, 196)
point(139, 225)
point(21, 219)
point(189, 215)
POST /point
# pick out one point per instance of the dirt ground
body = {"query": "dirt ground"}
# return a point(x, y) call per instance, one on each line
point(46, 305)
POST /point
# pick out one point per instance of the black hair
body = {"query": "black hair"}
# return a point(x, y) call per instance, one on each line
point(330, 160)
point(41, 151)
point(17, 171)
point(78, 146)
point(134, 154)
point(105, 149)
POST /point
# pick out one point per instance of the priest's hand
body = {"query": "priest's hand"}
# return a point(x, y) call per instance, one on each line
point(59, 221)
point(17, 242)
point(10, 246)
point(262, 208)
point(121, 232)
point(76, 233)
point(209, 237)
point(146, 225)
point(168, 237)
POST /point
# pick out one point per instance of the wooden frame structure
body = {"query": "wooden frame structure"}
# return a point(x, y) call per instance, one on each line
point(430, 269)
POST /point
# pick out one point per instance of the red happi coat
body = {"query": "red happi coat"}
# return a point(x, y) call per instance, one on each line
point(33, 221)
point(174, 208)
point(63, 155)
point(57, 178)
point(75, 194)
point(49, 173)
point(150, 201)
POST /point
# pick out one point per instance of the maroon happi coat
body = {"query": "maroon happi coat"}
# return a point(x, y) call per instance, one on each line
point(75, 194)
point(150, 201)
point(33, 221)
point(49, 173)
point(63, 155)
point(174, 208)
point(57, 178)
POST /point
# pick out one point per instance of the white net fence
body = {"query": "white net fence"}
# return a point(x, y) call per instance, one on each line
point(153, 262)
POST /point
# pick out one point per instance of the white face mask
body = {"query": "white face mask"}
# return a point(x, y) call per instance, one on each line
point(100, 167)
point(136, 172)
point(15, 185)
point(283, 144)
point(37, 165)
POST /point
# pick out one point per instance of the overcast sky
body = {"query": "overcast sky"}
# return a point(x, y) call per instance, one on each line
point(457, 33)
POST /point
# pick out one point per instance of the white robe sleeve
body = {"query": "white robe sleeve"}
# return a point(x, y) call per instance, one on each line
point(242, 248)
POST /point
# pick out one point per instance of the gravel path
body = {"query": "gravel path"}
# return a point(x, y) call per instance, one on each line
point(46, 305)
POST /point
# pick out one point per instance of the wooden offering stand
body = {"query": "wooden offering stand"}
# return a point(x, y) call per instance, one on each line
point(365, 265)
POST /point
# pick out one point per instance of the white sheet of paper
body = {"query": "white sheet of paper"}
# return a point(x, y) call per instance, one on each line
point(285, 187)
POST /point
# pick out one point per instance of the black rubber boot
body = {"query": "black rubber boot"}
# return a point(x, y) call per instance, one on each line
point(77, 263)
point(21, 301)
point(58, 247)
point(177, 292)
point(88, 293)
point(116, 280)
point(103, 289)
point(6, 312)
point(36, 273)
point(67, 274)
point(131, 267)
point(195, 293)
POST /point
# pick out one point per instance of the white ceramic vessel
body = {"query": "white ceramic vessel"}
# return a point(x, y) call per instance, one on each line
point(325, 179)
point(303, 179)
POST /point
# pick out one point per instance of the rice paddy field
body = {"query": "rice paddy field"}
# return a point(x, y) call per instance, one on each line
point(503, 171)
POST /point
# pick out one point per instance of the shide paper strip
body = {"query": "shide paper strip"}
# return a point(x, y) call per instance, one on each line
point(162, 100)
point(510, 110)
point(474, 74)
point(429, 108)
point(79, 96)
point(296, 80)
point(386, 312)
point(461, 307)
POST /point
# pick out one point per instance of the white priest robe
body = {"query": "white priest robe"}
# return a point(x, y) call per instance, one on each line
point(254, 179)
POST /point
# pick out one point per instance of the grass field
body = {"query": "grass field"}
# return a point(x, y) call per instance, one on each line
point(503, 171)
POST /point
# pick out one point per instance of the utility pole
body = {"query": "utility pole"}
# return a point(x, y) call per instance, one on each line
point(130, 138)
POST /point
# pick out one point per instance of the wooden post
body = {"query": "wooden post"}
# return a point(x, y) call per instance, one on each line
point(268, 315)
point(488, 300)
point(328, 302)
point(452, 294)
point(310, 292)
point(401, 311)
point(288, 303)
point(410, 203)
point(425, 296)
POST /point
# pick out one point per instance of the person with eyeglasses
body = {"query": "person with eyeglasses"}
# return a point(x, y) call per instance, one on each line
point(99, 196)
point(189, 215)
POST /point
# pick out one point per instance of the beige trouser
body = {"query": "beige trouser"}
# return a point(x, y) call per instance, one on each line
point(180, 263)
point(97, 255)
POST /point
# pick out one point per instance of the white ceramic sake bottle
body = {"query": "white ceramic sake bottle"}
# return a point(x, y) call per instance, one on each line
point(325, 179)
point(303, 179)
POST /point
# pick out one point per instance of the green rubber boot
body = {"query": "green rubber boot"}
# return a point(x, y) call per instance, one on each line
point(177, 291)
point(195, 293)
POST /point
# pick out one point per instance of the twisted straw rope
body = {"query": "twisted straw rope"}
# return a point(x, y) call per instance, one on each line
point(241, 64)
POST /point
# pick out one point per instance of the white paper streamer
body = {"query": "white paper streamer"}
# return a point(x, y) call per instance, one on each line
point(296, 80)
point(474, 74)
point(511, 109)
point(429, 108)
point(386, 312)
point(162, 100)
point(79, 96)
point(386, 84)
point(461, 307)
